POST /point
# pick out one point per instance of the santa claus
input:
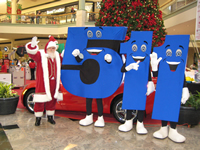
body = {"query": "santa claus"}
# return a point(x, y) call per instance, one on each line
point(47, 90)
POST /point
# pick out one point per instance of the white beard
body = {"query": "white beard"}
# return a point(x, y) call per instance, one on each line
point(51, 55)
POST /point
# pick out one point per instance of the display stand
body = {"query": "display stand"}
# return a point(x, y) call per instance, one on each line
point(18, 77)
point(5, 77)
point(28, 73)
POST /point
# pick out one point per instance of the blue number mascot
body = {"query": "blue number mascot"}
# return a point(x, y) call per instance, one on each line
point(171, 89)
point(91, 66)
point(137, 75)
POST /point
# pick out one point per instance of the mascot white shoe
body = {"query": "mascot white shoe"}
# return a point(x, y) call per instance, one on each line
point(127, 126)
point(87, 120)
point(162, 133)
point(100, 122)
point(175, 136)
point(140, 129)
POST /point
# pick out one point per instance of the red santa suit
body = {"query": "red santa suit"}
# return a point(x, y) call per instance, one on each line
point(47, 78)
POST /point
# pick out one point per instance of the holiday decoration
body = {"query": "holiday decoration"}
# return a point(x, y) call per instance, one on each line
point(137, 15)
point(9, 8)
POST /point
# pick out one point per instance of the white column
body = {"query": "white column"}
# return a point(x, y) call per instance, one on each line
point(14, 10)
point(81, 14)
point(12, 43)
point(81, 4)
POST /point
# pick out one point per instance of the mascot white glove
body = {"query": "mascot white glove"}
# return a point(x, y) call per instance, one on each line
point(185, 95)
point(150, 88)
point(34, 41)
point(155, 61)
point(133, 66)
point(108, 58)
point(62, 54)
point(75, 52)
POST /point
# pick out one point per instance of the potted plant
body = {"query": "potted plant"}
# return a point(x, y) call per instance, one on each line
point(8, 99)
point(190, 111)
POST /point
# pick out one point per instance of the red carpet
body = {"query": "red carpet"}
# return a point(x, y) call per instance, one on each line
point(80, 115)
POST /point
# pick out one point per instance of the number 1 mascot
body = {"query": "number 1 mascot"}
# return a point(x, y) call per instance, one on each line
point(137, 75)
point(171, 89)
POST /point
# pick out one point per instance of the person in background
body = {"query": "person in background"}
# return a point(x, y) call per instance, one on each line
point(3, 67)
point(193, 66)
point(73, 15)
point(47, 91)
point(23, 18)
point(38, 17)
point(32, 68)
point(32, 17)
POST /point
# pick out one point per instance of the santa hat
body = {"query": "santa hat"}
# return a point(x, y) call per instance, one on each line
point(52, 43)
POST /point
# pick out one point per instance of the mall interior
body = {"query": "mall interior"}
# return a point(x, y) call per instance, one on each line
point(19, 22)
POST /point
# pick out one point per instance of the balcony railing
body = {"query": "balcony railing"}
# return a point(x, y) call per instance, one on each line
point(174, 5)
point(45, 19)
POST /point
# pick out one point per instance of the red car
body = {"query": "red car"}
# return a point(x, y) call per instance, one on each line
point(111, 104)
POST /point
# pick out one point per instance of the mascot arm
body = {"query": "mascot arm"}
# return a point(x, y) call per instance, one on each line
point(155, 61)
point(185, 92)
point(155, 73)
point(108, 58)
point(123, 68)
point(150, 85)
point(78, 56)
point(133, 66)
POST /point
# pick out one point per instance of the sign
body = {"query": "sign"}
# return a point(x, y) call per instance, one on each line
point(98, 5)
point(197, 31)
point(54, 11)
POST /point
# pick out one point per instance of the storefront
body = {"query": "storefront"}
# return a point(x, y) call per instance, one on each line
point(62, 14)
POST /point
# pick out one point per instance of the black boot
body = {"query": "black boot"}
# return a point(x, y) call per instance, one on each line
point(50, 119)
point(37, 121)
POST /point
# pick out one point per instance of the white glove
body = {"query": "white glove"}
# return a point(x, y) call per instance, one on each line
point(34, 41)
point(129, 67)
point(155, 61)
point(62, 54)
point(75, 52)
point(132, 66)
point(150, 88)
point(108, 58)
point(185, 95)
point(135, 65)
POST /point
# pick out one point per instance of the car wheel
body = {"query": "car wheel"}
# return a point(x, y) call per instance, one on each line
point(119, 113)
point(28, 100)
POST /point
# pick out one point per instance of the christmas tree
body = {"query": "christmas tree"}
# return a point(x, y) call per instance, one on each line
point(137, 15)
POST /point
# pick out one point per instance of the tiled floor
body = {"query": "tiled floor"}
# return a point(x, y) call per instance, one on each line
point(68, 134)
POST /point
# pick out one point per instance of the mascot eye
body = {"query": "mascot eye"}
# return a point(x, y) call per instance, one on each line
point(89, 34)
point(169, 52)
point(178, 52)
point(98, 34)
point(143, 48)
point(134, 47)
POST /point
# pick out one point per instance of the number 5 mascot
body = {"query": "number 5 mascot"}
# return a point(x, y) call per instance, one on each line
point(91, 66)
